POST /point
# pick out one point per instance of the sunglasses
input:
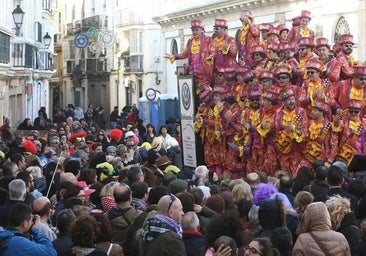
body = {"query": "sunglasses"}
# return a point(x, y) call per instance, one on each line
point(172, 199)
point(252, 250)
point(361, 78)
point(265, 80)
point(254, 99)
point(282, 77)
point(353, 111)
point(311, 72)
point(249, 80)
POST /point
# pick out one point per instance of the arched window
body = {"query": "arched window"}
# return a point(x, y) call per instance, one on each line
point(174, 47)
point(342, 28)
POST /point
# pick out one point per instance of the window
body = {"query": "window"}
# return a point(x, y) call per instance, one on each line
point(4, 48)
point(174, 47)
point(136, 63)
point(136, 41)
point(38, 33)
point(46, 5)
point(29, 51)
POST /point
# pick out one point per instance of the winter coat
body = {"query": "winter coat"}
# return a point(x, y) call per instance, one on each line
point(121, 219)
point(349, 228)
point(316, 222)
point(18, 244)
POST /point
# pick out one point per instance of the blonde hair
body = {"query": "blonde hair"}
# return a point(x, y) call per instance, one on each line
point(242, 191)
point(108, 189)
point(157, 143)
point(35, 171)
point(338, 207)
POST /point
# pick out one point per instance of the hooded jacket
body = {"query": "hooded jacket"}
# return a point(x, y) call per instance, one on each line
point(316, 222)
point(20, 245)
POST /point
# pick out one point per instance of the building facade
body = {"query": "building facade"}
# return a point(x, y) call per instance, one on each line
point(26, 63)
point(330, 19)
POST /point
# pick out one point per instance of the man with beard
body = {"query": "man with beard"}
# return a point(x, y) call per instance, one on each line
point(196, 51)
point(330, 65)
point(29, 185)
point(353, 89)
point(223, 48)
point(344, 57)
point(352, 135)
point(290, 128)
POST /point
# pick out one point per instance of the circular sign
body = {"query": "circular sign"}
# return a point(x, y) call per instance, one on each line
point(106, 38)
point(93, 32)
point(186, 96)
point(81, 40)
point(150, 94)
point(95, 47)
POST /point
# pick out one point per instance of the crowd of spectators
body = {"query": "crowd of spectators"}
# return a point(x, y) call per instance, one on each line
point(75, 190)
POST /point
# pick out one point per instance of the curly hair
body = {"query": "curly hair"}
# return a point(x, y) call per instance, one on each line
point(84, 231)
point(338, 207)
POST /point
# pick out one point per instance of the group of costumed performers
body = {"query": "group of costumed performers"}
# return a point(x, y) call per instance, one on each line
point(275, 97)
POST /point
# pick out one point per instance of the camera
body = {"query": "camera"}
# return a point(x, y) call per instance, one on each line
point(34, 219)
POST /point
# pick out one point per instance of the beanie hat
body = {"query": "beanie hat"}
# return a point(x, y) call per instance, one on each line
point(177, 186)
point(116, 134)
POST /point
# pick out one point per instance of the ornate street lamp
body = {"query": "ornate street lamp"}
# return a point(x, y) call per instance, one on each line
point(18, 16)
point(47, 40)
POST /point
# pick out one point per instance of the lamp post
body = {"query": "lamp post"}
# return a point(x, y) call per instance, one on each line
point(18, 16)
point(47, 40)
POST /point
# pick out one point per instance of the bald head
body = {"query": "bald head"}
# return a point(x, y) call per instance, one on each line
point(171, 206)
point(253, 179)
point(68, 176)
point(42, 206)
point(122, 194)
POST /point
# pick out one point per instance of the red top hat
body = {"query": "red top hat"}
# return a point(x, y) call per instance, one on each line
point(346, 39)
point(355, 104)
point(306, 41)
point(274, 47)
point(265, 26)
point(219, 88)
point(305, 14)
point(284, 46)
point(258, 48)
point(247, 13)
point(282, 27)
point(270, 96)
point(266, 75)
point(229, 72)
point(287, 94)
point(220, 23)
point(273, 31)
point(322, 41)
point(321, 106)
point(197, 24)
point(283, 69)
point(255, 93)
point(359, 70)
point(241, 70)
point(314, 63)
